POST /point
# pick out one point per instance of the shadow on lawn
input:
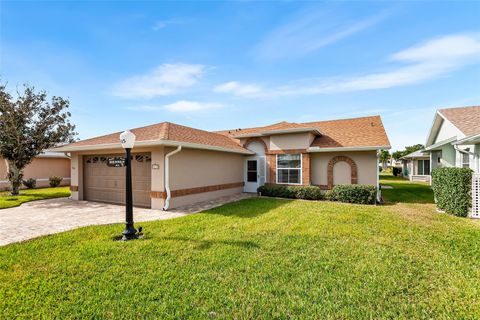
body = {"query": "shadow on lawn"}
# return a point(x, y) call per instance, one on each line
point(206, 244)
point(249, 208)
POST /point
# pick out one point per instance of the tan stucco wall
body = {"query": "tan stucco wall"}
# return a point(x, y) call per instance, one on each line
point(188, 169)
point(367, 167)
point(290, 141)
point(40, 169)
point(190, 199)
point(197, 168)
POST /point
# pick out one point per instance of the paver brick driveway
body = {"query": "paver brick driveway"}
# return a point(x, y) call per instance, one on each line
point(38, 218)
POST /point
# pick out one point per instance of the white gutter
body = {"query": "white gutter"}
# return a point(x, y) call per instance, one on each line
point(370, 148)
point(151, 143)
point(167, 176)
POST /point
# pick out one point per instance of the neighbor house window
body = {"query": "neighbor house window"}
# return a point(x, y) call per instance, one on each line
point(465, 160)
point(289, 168)
point(423, 167)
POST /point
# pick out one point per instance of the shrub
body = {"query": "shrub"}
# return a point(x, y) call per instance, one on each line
point(353, 193)
point(55, 181)
point(380, 169)
point(292, 192)
point(30, 183)
point(451, 188)
point(330, 195)
point(396, 171)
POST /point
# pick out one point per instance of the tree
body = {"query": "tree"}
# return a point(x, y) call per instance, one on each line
point(30, 124)
point(409, 149)
point(384, 156)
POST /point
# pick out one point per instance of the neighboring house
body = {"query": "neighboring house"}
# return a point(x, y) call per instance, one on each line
point(41, 169)
point(174, 165)
point(416, 166)
point(454, 138)
point(454, 141)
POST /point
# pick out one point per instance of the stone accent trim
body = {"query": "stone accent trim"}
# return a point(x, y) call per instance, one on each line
point(306, 169)
point(287, 151)
point(258, 139)
point(74, 188)
point(331, 164)
point(189, 191)
point(272, 168)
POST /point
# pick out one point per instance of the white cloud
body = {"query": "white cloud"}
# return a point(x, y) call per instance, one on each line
point(179, 106)
point(164, 80)
point(430, 60)
point(238, 89)
point(160, 24)
point(310, 31)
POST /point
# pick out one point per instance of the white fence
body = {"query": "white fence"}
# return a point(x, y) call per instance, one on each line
point(475, 195)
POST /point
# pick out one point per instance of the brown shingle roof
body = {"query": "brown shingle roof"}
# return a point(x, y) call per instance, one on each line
point(356, 132)
point(167, 131)
point(466, 119)
point(284, 125)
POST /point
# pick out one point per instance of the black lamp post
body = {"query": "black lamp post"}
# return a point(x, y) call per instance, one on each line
point(127, 139)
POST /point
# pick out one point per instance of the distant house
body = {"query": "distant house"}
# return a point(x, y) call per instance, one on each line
point(41, 169)
point(416, 166)
point(454, 138)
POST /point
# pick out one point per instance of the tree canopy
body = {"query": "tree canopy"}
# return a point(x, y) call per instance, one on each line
point(408, 149)
point(29, 124)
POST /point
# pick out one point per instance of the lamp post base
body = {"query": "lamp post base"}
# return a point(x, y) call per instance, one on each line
point(130, 233)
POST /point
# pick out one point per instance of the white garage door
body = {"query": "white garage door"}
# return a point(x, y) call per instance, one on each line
point(107, 184)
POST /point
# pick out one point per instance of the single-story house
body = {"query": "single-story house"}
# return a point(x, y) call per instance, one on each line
point(454, 138)
point(175, 165)
point(42, 167)
point(454, 141)
point(416, 166)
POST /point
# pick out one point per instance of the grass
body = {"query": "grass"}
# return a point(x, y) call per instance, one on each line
point(405, 191)
point(257, 258)
point(27, 195)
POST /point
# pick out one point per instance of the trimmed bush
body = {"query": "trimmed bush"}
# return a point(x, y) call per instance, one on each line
point(55, 181)
point(396, 171)
point(292, 192)
point(30, 183)
point(353, 193)
point(451, 188)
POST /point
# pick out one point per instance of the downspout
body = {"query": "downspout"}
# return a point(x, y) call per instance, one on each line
point(167, 176)
point(379, 192)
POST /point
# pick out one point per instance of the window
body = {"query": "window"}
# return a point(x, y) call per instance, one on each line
point(252, 171)
point(423, 167)
point(289, 168)
point(465, 160)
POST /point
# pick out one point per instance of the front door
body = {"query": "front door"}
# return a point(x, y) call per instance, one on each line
point(254, 174)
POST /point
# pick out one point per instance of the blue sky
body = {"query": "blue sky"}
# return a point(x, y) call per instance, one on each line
point(222, 65)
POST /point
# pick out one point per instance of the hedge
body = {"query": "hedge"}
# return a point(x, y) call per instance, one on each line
point(292, 192)
point(353, 193)
point(451, 188)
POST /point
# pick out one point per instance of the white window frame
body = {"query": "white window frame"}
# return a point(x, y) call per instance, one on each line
point(277, 168)
point(423, 167)
point(467, 156)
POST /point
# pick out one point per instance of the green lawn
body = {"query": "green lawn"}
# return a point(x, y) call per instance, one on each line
point(8, 201)
point(405, 191)
point(256, 259)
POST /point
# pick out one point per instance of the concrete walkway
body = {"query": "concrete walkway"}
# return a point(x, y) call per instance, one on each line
point(38, 218)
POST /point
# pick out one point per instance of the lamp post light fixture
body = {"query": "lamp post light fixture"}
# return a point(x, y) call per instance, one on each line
point(127, 138)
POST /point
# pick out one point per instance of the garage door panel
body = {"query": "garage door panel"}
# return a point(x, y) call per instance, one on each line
point(107, 184)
